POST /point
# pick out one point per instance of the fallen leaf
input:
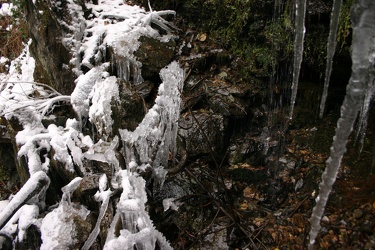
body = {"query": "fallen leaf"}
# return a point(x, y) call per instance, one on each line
point(202, 37)
point(248, 193)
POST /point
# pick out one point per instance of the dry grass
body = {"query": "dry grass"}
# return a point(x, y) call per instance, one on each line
point(12, 41)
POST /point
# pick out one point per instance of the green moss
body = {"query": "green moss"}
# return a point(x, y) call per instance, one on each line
point(345, 26)
point(316, 49)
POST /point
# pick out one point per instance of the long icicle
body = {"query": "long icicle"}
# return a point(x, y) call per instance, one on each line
point(298, 49)
point(363, 57)
point(331, 48)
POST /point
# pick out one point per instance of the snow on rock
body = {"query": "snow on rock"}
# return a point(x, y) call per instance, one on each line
point(84, 84)
point(58, 227)
point(66, 143)
point(28, 216)
point(104, 94)
point(6, 9)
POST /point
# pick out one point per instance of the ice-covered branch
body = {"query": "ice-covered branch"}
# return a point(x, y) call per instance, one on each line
point(155, 18)
point(33, 192)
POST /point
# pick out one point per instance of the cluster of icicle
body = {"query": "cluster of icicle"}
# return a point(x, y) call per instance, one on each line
point(358, 95)
point(149, 146)
point(152, 143)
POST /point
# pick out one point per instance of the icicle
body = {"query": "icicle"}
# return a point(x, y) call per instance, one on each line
point(104, 196)
point(137, 73)
point(331, 47)
point(298, 49)
point(362, 126)
point(138, 230)
point(70, 188)
point(155, 137)
point(123, 68)
point(363, 22)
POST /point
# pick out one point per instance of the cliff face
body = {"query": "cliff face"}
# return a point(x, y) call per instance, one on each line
point(48, 26)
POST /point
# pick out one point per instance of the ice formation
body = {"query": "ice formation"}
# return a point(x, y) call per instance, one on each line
point(102, 195)
point(138, 230)
point(104, 94)
point(151, 143)
point(58, 227)
point(298, 49)
point(331, 47)
point(118, 26)
point(33, 192)
point(358, 89)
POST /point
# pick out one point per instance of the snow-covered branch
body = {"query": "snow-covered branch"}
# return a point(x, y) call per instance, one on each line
point(33, 192)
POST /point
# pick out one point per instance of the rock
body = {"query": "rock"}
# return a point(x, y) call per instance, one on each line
point(50, 53)
point(82, 229)
point(31, 241)
point(86, 191)
point(131, 110)
point(243, 148)
point(200, 130)
point(154, 55)
point(193, 93)
point(6, 242)
point(222, 98)
point(9, 130)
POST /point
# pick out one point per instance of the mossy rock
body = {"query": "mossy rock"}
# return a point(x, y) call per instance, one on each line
point(129, 111)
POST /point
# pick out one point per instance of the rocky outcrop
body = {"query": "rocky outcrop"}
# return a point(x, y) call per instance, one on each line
point(52, 56)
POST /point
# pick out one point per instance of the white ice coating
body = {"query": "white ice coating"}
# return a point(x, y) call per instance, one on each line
point(104, 94)
point(28, 216)
point(155, 137)
point(58, 229)
point(118, 26)
point(331, 47)
point(66, 142)
point(33, 192)
point(84, 84)
point(70, 188)
point(298, 49)
point(17, 86)
point(363, 47)
point(102, 195)
point(138, 229)
point(150, 144)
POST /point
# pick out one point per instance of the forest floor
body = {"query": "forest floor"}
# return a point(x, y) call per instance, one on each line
point(275, 208)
